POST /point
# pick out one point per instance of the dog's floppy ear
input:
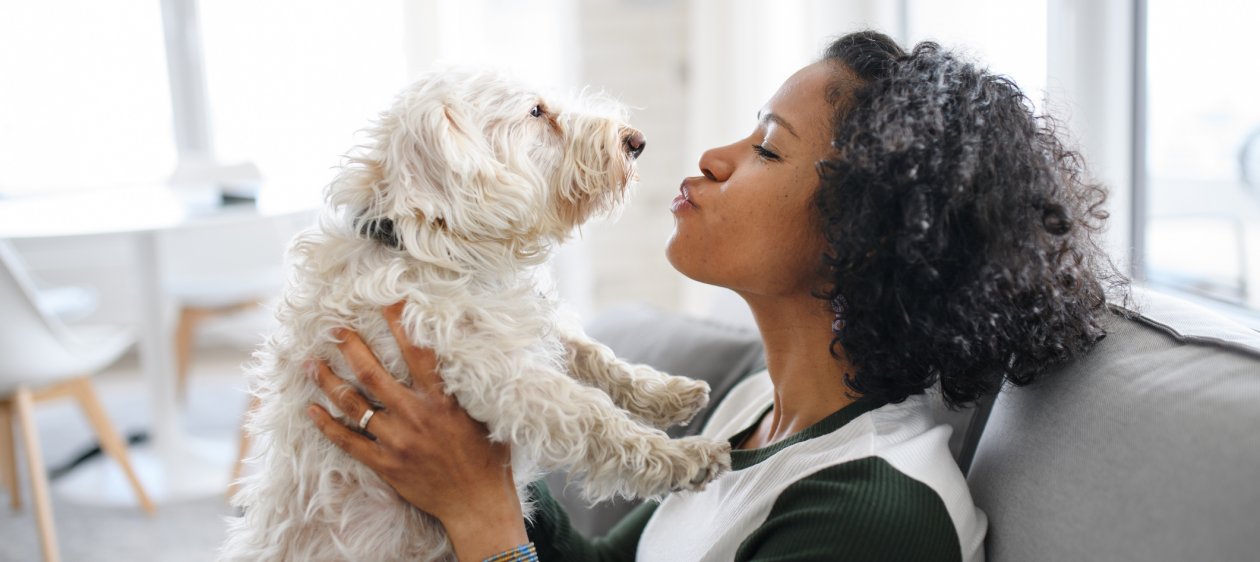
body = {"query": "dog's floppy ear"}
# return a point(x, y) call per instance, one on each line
point(444, 170)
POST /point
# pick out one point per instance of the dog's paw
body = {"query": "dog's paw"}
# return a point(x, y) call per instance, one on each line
point(678, 402)
point(703, 460)
point(692, 396)
point(658, 466)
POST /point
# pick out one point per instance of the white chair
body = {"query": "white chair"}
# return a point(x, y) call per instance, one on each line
point(41, 359)
point(219, 269)
point(223, 268)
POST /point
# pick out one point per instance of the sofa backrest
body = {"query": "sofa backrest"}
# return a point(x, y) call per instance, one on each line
point(1148, 448)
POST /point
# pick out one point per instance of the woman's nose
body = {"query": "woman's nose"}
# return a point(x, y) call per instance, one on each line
point(715, 164)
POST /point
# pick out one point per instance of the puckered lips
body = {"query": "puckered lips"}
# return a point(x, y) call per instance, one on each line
point(683, 201)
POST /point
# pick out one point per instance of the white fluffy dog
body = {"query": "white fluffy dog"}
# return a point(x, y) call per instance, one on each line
point(469, 181)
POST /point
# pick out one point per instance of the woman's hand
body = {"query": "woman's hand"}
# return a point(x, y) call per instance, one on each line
point(426, 446)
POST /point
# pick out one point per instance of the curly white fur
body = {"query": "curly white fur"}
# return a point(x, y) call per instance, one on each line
point(463, 190)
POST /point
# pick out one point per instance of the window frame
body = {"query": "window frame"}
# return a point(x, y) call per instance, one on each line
point(186, 71)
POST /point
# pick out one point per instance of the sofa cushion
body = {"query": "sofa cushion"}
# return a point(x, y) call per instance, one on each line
point(1148, 448)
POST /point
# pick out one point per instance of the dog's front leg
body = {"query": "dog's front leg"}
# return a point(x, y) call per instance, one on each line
point(657, 398)
point(562, 423)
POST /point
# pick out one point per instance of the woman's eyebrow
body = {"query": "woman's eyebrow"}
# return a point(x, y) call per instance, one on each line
point(763, 117)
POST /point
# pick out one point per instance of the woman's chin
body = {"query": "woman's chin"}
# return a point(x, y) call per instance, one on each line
point(688, 270)
point(675, 260)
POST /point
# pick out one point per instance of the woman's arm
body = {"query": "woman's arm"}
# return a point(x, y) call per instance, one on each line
point(557, 540)
point(425, 446)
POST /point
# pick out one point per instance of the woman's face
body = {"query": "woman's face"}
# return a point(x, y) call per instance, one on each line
point(748, 223)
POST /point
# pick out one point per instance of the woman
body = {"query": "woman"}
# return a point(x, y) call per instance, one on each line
point(894, 221)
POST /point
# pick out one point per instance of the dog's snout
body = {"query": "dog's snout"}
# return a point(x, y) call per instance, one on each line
point(635, 143)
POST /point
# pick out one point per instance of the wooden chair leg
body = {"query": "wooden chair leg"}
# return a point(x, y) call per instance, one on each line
point(8, 455)
point(190, 317)
point(111, 442)
point(185, 332)
point(243, 450)
point(24, 404)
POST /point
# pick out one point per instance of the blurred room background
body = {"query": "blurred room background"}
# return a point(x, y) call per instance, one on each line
point(97, 95)
point(232, 115)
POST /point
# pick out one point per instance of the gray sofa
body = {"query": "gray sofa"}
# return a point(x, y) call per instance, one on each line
point(1146, 449)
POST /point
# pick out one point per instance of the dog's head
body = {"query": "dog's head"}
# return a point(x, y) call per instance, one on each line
point(474, 156)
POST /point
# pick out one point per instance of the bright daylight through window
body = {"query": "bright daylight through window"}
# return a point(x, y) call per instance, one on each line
point(1202, 170)
point(84, 97)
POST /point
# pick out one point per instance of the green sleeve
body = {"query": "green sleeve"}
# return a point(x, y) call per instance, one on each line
point(556, 539)
point(859, 510)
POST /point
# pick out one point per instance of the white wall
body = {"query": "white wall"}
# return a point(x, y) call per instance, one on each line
point(636, 51)
point(1008, 37)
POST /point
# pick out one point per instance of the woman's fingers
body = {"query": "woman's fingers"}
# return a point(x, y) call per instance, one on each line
point(347, 398)
point(354, 406)
point(344, 395)
point(422, 362)
point(425, 446)
point(367, 368)
point(356, 444)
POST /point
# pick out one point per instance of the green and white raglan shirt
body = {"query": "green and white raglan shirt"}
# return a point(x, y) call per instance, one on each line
point(869, 482)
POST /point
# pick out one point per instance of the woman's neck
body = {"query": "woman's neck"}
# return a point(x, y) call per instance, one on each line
point(808, 380)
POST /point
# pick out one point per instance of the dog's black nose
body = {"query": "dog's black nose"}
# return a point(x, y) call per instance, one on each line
point(635, 143)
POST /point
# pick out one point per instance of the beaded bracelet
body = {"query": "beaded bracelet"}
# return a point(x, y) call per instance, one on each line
point(523, 553)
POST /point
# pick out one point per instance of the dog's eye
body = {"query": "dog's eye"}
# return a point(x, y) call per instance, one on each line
point(536, 112)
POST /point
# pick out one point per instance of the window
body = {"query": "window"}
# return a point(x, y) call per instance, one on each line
point(290, 84)
point(84, 97)
point(1201, 188)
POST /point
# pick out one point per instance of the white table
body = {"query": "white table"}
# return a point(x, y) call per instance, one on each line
point(172, 466)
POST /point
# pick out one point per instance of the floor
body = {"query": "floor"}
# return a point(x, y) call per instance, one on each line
point(181, 532)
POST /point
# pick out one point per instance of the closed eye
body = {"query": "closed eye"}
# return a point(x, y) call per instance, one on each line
point(763, 153)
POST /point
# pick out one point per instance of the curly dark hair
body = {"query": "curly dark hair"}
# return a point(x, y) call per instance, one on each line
point(961, 231)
